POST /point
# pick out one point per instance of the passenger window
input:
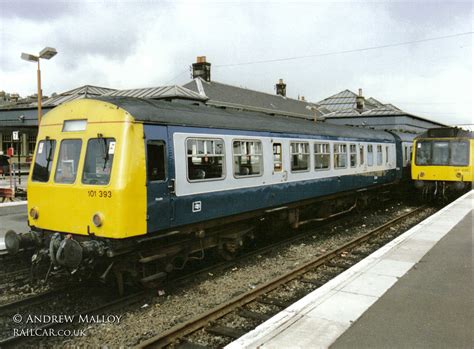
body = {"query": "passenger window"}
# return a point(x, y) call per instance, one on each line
point(277, 157)
point(405, 155)
point(43, 160)
point(340, 155)
point(99, 160)
point(321, 156)
point(68, 161)
point(299, 156)
point(361, 154)
point(379, 155)
point(248, 158)
point(205, 159)
point(156, 160)
point(353, 151)
point(370, 155)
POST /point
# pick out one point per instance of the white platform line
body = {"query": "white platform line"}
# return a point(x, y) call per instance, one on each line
point(319, 318)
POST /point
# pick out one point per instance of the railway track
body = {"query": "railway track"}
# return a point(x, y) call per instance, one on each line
point(334, 261)
point(18, 341)
point(143, 296)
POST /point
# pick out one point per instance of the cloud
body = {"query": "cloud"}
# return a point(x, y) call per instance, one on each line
point(149, 43)
point(38, 11)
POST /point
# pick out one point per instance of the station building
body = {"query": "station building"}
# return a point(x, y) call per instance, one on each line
point(344, 108)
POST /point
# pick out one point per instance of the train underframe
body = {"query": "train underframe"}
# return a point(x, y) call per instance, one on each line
point(148, 260)
point(443, 191)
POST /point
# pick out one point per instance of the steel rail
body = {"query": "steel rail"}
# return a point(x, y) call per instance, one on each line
point(188, 327)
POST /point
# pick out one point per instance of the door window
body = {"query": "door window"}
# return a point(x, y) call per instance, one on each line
point(156, 160)
point(277, 157)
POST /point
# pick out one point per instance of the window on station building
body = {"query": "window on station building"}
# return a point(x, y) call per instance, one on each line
point(353, 155)
point(205, 157)
point(370, 155)
point(248, 158)
point(43, 160)
point(361, 155)
point(156, 160)
point(68, 161)
point(322, 156)
point(379, 155)
point(386, 154)
point(31, 144)
point(7, 142)
point(340, 155)
point(299, 152)
point(277, 157)
point(99, 159)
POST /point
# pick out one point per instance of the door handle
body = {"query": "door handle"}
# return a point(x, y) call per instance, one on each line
point(172, 186)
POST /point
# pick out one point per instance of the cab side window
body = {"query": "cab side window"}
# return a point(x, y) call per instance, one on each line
point(156, 160)
point(43, 160)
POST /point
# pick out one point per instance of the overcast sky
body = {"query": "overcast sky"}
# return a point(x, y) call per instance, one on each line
point(149, 43)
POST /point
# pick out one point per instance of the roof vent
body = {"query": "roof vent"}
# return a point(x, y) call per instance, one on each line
point(360, 101)
point(202, 69)
point(281, 88)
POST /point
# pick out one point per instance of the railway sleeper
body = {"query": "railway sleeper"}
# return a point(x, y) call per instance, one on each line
point(273, 301)
point(336, 264)
point(315, 282)
point(185, 344)
point(225, 331)
point(253, 315)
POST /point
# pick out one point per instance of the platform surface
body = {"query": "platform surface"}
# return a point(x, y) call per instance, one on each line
point(415, 292)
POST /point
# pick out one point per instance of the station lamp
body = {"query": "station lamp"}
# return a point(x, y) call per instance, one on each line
point(46, 53)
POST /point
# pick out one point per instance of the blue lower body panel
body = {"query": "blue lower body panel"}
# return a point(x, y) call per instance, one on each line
point(203, 207)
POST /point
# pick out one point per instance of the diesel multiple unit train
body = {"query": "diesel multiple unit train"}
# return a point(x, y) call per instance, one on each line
point(443, 162)
point(127, 185)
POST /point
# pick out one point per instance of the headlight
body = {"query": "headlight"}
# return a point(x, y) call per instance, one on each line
point(98, 219)
point(34, 213)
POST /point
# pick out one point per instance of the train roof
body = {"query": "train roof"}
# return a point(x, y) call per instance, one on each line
point(447, 132)
point(200, 115)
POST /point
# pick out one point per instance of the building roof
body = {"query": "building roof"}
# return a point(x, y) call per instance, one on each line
point(85, 91)
point(344, 105)
point(202, 115)
point(161, 92)
point(223, 95)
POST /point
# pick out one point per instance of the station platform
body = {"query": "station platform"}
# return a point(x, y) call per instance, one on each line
point(415, 292)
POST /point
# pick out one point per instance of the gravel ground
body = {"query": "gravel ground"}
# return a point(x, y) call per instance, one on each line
point(156, 314)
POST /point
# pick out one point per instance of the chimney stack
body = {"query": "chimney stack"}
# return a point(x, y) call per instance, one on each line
point(281, 88)
point(360, 101)
point(202, 69)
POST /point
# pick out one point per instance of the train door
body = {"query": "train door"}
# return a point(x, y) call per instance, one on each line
point(278, 169)
point(158, 178)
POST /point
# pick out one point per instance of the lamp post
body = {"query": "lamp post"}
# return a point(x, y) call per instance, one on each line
point(46, 53)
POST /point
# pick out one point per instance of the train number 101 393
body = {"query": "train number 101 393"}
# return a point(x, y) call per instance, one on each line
point(107, 194)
